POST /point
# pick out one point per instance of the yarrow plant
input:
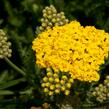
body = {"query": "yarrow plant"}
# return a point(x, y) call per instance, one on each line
point(70, 70)
point(71, 52)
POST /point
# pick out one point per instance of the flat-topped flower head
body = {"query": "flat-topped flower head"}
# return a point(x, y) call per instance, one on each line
point(5, 50)
point(73, 49)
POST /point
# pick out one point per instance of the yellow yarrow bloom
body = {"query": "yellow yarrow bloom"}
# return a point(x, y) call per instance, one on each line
point(72, 48)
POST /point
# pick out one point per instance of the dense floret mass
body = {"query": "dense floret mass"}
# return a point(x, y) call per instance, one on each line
point(73, 49)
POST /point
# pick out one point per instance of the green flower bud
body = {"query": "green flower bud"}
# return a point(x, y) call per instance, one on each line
point(107, 84)
point(45, 15)
point(64, 77)
point(101, 89)
point(52, 87)
point(44, 24)
point(51, 6)
point(9, 43)
point(45, 79)
point(62, 82)
point(43, 85)
point(62, 13)
point(97, 88)
point(104, 89)
point(61, 23)
point(108, 95)
point(49, 16)
point(41, 28)
point(46, 21)
point(51, 79)
point(55, 75)
point(67, 92)
point(47, 84)
point(54, 15)
point(59, 15)
point(107, 77)
point(49, 12)
point(62, 17)
point(66, 20)
point(63, 88)
point(100, 86)
point(48, 27)
point(57, 80)
point(98, 92)
point(57, 91)
point(5, 50)
point(57, 19)
point(48, 69)
point(46, 90)
point(50, 93)
point(54, 20)
point(71, 80)
point(99, 99)
point(94, 93)
point(68, 85)
point(49, 74)
point(42, 20)
point(58, 85)
point(50, 24)
point(47, 8)
point(1, 57)
point(44, 11)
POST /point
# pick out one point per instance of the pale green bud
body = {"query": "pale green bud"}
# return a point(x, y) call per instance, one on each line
point(46, 90)
point(45, 79)
point(51, 79)
point(67, 92)
point(57, 91)
point(54, 20)
point(51, 93)
point(52, 87)
point(63, 88)
point(68, 85)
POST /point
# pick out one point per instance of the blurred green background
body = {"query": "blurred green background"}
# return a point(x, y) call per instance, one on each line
point(19, 19)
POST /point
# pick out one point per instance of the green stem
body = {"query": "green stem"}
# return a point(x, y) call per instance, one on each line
point(14, 66)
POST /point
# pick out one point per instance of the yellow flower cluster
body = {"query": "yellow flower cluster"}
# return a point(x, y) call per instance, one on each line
point(73, 49)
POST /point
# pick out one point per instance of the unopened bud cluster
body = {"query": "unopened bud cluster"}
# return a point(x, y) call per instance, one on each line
point(51, 18)
point(44, 106)
point(102, 91)
point(5, 50)
point(66, 106)
point(54, 83)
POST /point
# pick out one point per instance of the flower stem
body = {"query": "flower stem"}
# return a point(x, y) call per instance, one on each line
point(14, 66)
